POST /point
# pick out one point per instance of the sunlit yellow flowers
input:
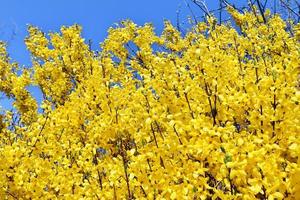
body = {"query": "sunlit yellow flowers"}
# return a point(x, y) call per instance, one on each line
point(213, 114)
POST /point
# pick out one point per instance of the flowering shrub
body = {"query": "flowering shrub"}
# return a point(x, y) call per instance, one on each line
point(211, 115)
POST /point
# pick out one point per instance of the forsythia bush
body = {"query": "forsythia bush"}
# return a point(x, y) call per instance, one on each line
point(211, 115)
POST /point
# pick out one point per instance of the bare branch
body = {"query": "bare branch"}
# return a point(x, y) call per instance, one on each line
point(285, 4)
point(261, 10)
point(190, 9)
point(201, 4)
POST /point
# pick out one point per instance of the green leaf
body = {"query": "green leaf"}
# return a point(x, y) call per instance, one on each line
point(223, 149)
point(195, 189)
point(227, 158)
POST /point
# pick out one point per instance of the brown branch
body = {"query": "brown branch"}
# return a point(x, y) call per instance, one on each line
point(34, 145)
point(177, 134)
point(153, 133)
point(188, 102)
point(159, 129)
point(125, 165)
point(100, 179)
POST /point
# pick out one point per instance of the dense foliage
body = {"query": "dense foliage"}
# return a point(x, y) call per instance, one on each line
point(213, 114)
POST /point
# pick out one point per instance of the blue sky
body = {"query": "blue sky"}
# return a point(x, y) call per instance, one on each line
point(95, 16)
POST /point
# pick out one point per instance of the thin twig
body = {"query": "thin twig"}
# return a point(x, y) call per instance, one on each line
point(289, 8)
point(261, 11)
point(190, 9)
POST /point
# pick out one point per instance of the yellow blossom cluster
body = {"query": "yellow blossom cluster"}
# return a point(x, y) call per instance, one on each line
point(213, 114)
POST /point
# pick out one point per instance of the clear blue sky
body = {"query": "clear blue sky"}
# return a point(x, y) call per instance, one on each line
point(95, 16)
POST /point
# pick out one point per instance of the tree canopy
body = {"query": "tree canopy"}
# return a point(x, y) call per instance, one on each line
point(213, 114)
